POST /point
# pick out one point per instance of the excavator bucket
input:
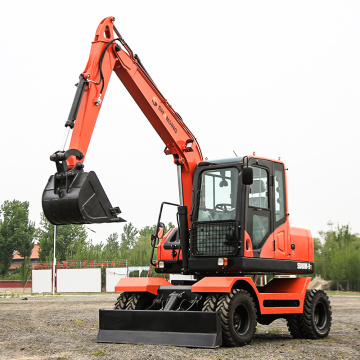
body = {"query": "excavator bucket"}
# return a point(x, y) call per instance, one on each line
point(78, 200)
point(177, 328)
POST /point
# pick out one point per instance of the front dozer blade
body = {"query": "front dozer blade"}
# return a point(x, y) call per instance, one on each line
point(80, 200)
point(177, 328)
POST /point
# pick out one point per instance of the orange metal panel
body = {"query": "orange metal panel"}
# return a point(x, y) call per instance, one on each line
point(166, 254)
point(284, 289)
point(219, 284)
point(303, 243)
point(248, 250)
point(150, 285)
point(277, 289)
point(288, 285)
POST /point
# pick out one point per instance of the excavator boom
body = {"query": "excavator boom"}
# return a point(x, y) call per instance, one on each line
point(75, 197)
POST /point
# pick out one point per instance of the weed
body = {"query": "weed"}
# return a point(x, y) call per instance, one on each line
point(336, 328)
point(327, 339)
point(296, 341)
point(352, 327)
point(342, 293)
point(100, 352)
point(79, 322)
point(342, 355)
point(275, 331)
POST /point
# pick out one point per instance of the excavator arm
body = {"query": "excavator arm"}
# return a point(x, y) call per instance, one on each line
point(73, 196)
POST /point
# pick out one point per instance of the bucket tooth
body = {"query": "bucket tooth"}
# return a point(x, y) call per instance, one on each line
point(78, 200)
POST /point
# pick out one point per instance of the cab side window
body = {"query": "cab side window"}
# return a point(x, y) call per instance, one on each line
point(259, 211)
point(259, 192)
point(280, 201)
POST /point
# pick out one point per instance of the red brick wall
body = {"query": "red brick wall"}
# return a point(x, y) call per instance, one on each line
point(13, 284)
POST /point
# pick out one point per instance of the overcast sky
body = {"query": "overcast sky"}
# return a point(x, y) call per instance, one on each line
point(281, 78)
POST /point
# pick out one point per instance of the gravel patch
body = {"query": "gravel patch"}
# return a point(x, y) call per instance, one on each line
point(65, 327)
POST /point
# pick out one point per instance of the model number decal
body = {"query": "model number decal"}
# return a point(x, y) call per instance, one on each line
point(155, 103)
point(304, 266)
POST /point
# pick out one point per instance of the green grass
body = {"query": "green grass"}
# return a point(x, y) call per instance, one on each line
point(99, 352)
point(327, 339)
point(79, 322)
point(353, 327)
point(336, 328)
point(342, 293)
point(275, 331)
point(11, 303)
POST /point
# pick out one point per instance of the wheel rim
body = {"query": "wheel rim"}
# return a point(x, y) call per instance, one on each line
point(241, 320)
point(320, 316)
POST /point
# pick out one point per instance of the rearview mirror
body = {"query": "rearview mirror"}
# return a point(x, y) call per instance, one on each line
point(247, 175)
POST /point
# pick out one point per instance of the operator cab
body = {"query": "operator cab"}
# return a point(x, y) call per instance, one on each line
point(234, 216)
point(239, 221)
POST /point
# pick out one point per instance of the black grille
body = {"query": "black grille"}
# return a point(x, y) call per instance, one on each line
point(213, 238)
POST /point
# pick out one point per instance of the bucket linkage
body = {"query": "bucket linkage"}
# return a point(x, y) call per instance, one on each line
point(74, 196)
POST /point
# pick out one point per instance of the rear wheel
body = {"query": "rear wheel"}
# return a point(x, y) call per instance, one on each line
point(315, 321)
point(238, 317)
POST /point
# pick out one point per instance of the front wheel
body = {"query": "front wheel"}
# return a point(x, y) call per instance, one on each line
point(140, 301)
point(122, 301)
point(238, 317)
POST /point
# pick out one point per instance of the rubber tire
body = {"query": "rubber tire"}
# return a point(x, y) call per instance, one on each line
point(140, 301)
point(210, 303)
point(122, 301)
point(293, 323)
point(315, 321)
point(237, 309)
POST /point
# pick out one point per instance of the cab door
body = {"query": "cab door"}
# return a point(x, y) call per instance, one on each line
point(267, 225)
point(259, 210)
point(281, 224)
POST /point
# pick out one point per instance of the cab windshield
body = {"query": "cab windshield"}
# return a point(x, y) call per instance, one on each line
point(218, 194)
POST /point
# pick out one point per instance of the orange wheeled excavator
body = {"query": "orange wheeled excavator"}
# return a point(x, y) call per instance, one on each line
point(232, 226)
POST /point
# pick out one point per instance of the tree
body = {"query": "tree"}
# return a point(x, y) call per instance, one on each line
point(128, 239)
point(7, 249)
point(16, 232)
point(112, 246)
point(140, 254)
point(70, 240)
point(337, 258)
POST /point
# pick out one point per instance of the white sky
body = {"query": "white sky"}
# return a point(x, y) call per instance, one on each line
point(281, 78)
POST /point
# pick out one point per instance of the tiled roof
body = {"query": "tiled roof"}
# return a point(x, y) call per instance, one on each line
point(34, 254)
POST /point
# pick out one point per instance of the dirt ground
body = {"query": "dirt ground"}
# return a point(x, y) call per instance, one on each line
point(66, 326)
